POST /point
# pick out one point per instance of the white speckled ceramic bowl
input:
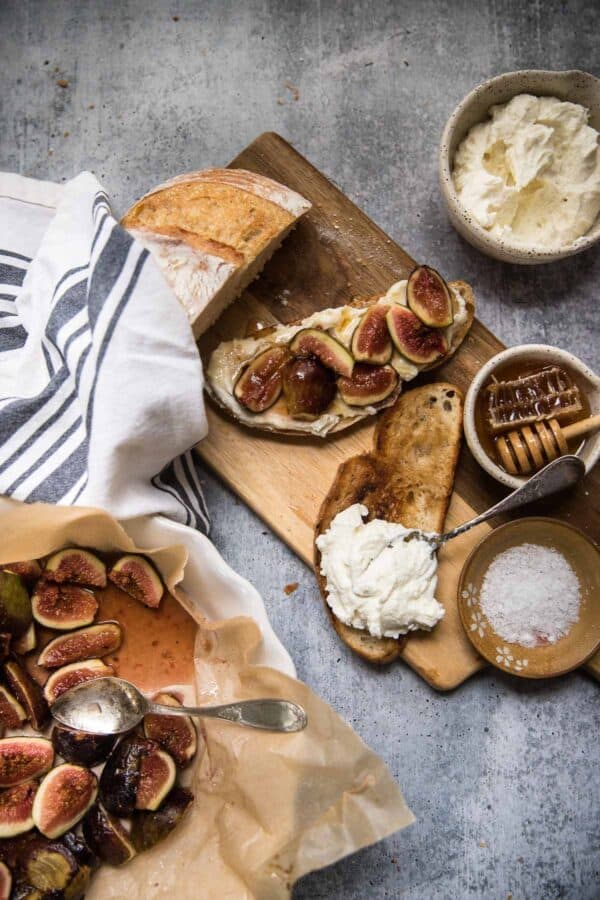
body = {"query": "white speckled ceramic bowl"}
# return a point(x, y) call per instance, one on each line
point(546, 356)
point(578, 87)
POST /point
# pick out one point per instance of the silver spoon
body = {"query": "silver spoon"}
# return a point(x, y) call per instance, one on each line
point(564, 472)
point(113, 706)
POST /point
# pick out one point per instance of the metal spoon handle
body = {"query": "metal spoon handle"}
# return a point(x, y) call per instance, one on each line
point(268, 714)
point(558, 475)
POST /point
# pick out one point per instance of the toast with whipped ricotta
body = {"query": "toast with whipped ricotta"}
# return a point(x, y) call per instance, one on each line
point(407, 478)
point(340, 365)
point(211, 232)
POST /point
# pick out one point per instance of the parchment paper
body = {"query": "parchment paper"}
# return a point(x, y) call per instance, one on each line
point(268, 808)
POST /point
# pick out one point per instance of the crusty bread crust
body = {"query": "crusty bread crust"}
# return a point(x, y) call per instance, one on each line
point(462, 287)
point(408, 478)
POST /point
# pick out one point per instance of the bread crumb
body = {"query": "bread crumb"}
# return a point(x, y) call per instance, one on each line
point(175, 18)
point(291, 587)
point(62, 83)
point(482, 844)
point(294, 91)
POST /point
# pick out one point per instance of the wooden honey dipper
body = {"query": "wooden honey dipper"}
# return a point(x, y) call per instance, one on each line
point(531, 447)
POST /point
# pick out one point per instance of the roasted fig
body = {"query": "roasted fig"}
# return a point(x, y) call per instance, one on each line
point(23, 891)
point(429, 297)
point(368, 385)
point(121, 774)
point(28, 693)
point(27, 642)
point(175, 734)
point(12, 713)
point(5, 642)
point(63, 606)
point(414, 340)
point(137, 577)
point(63, 798)
point(314, 342)
point(51, 868)
point(148, 828)
point(28, 570)
point(106, 836)
point(157, 777)
point(23, 759)
point(86, 643)
point(16, 805)
point(371, 341)
point(77, 567)
point(83, 854)
point(70, 676)
point(5, 882)
point(259, 384)
point(15, 605)
point(81, 747)
point(309, 388)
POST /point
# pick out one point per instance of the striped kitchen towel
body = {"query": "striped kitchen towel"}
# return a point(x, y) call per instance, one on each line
point(100, 380)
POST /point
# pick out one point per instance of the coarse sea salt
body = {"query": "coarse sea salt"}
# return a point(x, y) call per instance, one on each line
point(530, 595)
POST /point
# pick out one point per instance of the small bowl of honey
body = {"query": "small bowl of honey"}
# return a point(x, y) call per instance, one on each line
point(527, 406)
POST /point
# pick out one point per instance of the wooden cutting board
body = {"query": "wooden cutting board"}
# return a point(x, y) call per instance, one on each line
point(337, 253)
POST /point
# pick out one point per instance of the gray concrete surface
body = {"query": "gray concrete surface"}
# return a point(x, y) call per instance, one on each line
point(502, 774)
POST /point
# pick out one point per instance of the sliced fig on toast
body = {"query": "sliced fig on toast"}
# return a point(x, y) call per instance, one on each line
point(371, 341)
point(24, 759)
point(369, 385)
point(63, 606)
point(175, 734)
point(16, 805)
point(314, 342)
point(12, 713)
point(260, 383)
point(63, 798)
point(94, 641)
point(71, 676)
point(28, 693)
point(138, 577)
point(76, 566)
point(309, 388)
point(105, 835)
point(428, 296)
point(415, 341)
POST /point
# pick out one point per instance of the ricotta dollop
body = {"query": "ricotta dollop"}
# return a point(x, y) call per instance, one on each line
point(530, 174)
point(375, 580)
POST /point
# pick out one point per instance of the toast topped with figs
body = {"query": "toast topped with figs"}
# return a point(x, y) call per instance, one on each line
point(339, 365)
point(407, 478)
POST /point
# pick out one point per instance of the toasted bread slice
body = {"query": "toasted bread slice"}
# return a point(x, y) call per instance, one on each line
point(407, 478)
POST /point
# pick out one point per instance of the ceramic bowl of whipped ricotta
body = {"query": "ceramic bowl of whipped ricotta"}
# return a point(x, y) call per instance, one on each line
point(519, 165)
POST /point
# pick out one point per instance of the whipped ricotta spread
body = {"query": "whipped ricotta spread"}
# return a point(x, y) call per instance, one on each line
point(530, 174)
point(376, 580)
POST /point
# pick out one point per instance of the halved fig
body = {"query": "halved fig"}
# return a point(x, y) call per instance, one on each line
point(63, 606)
point(15, 605)
point(23, 891)
point(371, 339)
point(157, 777)
point(259, 384)
point(23, 759)
point(175, 734)
point(16, 804)
point(106, 836)
point(81, 747)
point(27, 642)
point(63, 798)
point(70, 676)
point(121, 774)
point(368, 385)
point(429, 297)
point(28, 570)
point(86, 643)
point(51, 868)
point(12, 713)
point(309, 388)
point(148, 828)
point(414, 340)
point(28, 693)
point(314, 342)
point(137, 577)
point(77, 567)
point(5, 882)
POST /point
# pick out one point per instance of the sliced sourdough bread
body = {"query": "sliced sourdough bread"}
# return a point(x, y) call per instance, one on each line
point(212, 232)
point(407, 478)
